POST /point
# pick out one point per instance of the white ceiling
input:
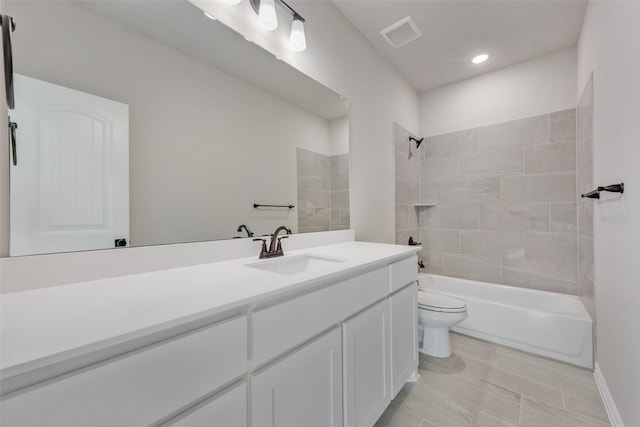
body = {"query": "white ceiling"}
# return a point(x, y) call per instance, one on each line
point(455, 30)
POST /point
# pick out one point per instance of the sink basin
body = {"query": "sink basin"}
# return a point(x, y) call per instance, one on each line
point(297, 264)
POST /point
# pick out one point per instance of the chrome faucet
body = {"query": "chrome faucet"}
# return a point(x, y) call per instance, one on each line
point(247, 229)
point(275, 247)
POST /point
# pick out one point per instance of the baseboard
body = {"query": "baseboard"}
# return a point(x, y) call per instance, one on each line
point(415, 376)
point(607, 399)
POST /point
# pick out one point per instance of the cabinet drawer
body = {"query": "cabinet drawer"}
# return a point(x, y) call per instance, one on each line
point(403, 272)
point(138, 388)
point(286, 325)
point(228, 410)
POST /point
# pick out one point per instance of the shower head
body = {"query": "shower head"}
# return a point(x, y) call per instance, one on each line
point(418, 141)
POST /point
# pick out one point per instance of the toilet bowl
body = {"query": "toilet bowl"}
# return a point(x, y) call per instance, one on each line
point(436, 314)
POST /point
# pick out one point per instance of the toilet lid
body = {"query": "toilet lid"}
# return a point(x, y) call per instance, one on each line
point(439, 302)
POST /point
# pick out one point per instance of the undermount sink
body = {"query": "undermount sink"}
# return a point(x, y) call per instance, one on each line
point(296, 264)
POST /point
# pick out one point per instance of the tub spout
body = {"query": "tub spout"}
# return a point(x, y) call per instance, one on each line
point(247, 229)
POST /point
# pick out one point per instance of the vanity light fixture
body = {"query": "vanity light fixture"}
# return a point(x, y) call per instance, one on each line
point(479, 59)
point(268, 20)
point(267, 17)
point(297, 39)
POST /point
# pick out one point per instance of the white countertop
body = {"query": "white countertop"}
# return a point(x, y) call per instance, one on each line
point(46, 323)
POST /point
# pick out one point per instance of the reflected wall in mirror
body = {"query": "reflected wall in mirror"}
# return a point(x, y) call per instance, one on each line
point(215, 122)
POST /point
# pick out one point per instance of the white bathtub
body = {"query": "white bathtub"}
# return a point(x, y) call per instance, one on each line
point(545, 323)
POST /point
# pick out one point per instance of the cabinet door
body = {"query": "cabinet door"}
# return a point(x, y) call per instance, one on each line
point(366, 365)
point(404, 336)
point(226, 410)
point(302, 389)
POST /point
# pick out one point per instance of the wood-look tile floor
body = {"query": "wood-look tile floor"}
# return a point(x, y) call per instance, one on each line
point(488, 385)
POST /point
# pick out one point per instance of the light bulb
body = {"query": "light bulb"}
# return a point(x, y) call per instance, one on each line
point(267, 17)
point(297, 39)
point(479, 59)
point(232, 2)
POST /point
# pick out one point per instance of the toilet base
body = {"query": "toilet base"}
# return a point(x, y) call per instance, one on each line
point(436, 342)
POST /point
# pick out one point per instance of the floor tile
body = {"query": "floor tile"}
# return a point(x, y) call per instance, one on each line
point(585, 400)
point(485, 419)
point(496, 399)
point(395, 416)
point(438, 409)
point(464, 366)
point(537, 414)
point(471, 346)
point(539, 367)
point(548, 391)
point(487, 385)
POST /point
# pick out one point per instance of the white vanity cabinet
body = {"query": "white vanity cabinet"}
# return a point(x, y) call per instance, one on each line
point(331, 352)
point(137, 388)
point(227, 409)
point(404, 336)
point(367, 354)
point(283, 326)
point(349, 375)
point(302, 389)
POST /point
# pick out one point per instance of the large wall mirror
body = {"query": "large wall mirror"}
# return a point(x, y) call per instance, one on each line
point(149, 122)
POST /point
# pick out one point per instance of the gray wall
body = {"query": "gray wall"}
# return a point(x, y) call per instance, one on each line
point(585, 206)
point(506, 203)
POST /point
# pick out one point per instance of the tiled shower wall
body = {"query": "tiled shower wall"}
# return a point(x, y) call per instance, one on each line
point(505, 199)
point(323, 191)
point(407, 163)
point(340, 213)
point(585, 206)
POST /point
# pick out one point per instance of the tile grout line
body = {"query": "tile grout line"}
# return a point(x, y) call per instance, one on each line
point(520, 409)
point(473, 415)
point(564, 404)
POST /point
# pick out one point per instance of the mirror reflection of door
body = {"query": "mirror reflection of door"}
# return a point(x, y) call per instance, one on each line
point(70, 187)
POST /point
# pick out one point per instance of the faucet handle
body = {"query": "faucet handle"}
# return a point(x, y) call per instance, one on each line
point(263, 251)
point(279, 247)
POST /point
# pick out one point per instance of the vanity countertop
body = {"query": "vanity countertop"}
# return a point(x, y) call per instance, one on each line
point(46, 326)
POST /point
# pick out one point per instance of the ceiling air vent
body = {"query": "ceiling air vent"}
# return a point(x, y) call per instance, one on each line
point(402, 32)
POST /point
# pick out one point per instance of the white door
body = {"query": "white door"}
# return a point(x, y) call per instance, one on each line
point(302, 390)
point(366, 366)
point(70, 187)
point(404, 336)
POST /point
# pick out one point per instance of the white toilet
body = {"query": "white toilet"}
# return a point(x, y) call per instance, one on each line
point(436, 314)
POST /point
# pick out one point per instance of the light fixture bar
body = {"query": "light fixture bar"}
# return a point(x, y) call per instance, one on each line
point(269, 22)
point(255, 4)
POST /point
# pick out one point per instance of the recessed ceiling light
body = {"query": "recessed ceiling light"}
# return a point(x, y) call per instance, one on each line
point(479, 59)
